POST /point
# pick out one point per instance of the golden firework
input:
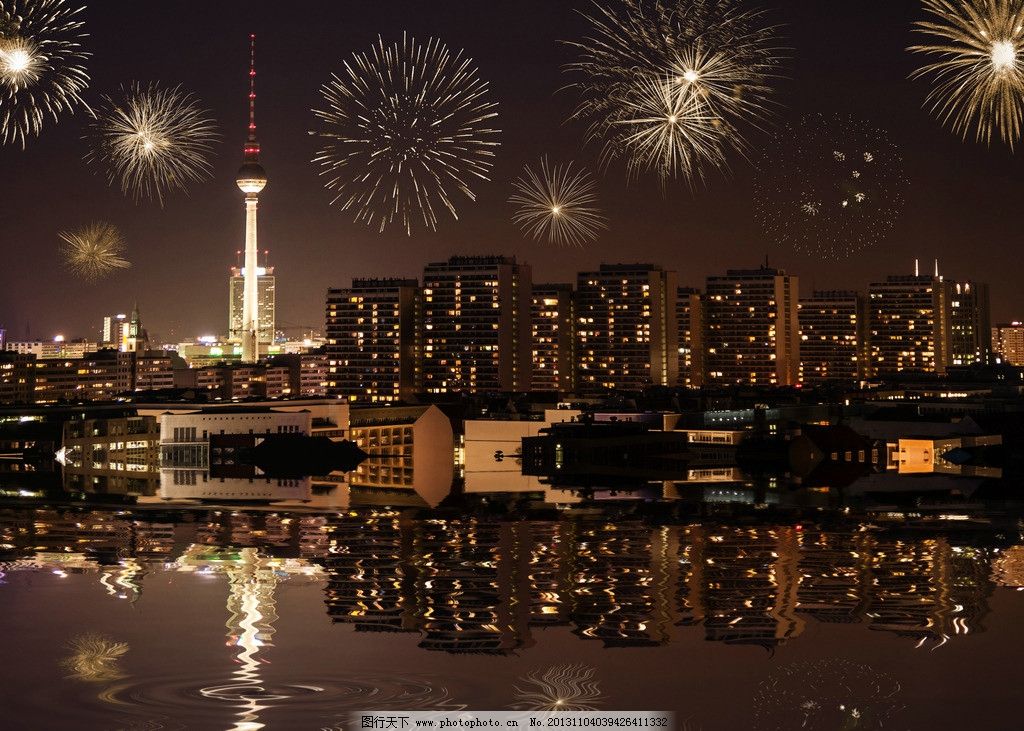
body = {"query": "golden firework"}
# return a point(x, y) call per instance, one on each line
point(406, 126)
point(558, 204)
point(93, 251)
point(153, 140)
point(42, 71)
point(977, 72)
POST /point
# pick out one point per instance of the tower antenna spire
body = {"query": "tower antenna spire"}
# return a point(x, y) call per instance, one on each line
point(252, 147)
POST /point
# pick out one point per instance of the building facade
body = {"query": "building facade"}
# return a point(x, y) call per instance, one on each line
point(17, 378)
point(752, 334)
point(690, 323)
point(476, 325)
point(970, 324)
point(98, 376)
point(115, 331)
point(266, 284)
point(553, 338)
point(1008, 343)
point(833, 334)
point(373, 340)
point(909, 324)
point(626, 331)
point(49, 349)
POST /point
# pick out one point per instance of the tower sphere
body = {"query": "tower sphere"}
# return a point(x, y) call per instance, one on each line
point(251, 178)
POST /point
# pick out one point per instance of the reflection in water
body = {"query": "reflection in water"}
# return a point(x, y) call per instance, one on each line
point(559, 688)
point(1008, 568)
point(94, 658)
point(252, 580)
point(826, 695)
point(487, 585)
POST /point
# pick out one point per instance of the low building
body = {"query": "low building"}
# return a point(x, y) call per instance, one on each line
point(17, 378)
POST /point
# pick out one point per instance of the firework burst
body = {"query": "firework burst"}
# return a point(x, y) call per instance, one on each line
point(978, 71)
point(41, 65)
point(557, 203)
point(93, 251)
point(666, 132)
point(829, 187)
point(708, 58)
point(153, 140)
point(405, 126)
point(559, 688)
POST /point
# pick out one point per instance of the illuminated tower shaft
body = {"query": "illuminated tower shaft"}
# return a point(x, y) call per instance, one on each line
point(250, 293)
point(251, 180)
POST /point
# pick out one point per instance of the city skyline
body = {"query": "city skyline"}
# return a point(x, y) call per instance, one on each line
point(192, 240)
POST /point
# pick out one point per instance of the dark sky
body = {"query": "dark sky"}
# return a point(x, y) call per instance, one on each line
point(962, 206)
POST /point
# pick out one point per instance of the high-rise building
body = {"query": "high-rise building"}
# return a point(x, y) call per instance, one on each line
point(626, 332)
point(115, 331)
point(251, 179)
point(552, 336)
point(266, 283)
point(970, 324)
point(909, 324)
point(124, 332)
point(372, 340)
point(1008, 343)
point(752, 333)
point(833, 331)
point(476, 325)
point(690, 322)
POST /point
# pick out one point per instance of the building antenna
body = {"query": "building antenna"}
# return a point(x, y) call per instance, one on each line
point(917, 267)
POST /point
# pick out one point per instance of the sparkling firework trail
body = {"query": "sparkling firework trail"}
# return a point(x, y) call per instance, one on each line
point(710, 55)
point(558, 203)
point(829, 187)
point(93, 251)
point(559, 688)
point(42, 71)
point(977, 72)
point(666, 132)
point(405, 126)
point(152, 140)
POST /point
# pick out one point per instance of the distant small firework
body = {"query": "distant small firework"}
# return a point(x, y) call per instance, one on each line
point(829, 187)
point(558, 688)
point(42, 71)
point(93, 251)
point(405, 126)
point(709, 57)
point(94, 658)
point(558, 204)
point(826, 695)
point(978, 71)
point(152, 140)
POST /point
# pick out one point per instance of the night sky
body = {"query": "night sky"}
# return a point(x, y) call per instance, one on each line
point(848, 57)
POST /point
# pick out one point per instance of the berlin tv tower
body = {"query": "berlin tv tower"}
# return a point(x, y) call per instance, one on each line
point(251, 179)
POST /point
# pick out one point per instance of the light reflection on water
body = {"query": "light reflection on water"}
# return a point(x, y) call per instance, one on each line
point(529, 601)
